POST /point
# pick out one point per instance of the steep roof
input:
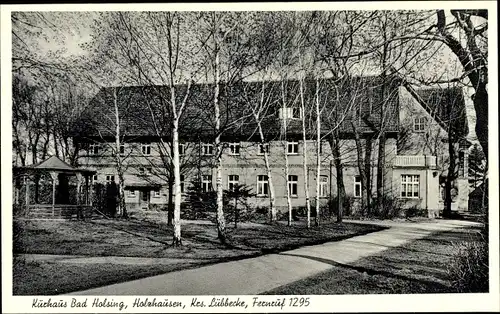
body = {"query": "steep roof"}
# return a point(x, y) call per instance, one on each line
point(446, 106)
point(143, 110)
point(53, 163)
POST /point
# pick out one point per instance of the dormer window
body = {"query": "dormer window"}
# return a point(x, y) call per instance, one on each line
point(419, 124)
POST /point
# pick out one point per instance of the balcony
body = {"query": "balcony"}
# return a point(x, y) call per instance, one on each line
point(415, 161)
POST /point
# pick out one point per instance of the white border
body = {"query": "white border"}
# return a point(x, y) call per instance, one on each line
point(347, 303)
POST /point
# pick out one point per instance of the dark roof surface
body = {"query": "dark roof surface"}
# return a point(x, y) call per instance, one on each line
point(447, 107)
point(53, 163)
point(146, 110)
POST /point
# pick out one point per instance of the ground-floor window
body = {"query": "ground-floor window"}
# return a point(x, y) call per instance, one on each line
point(182, 183)
point(323, 186)
point(357, 186)
point(206, 183)
point(410, 186)
point(292, 185)
point(232, 181)
point(262, 185)
point(156, 193)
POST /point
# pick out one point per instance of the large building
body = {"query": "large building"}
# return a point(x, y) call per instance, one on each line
point(417, 125)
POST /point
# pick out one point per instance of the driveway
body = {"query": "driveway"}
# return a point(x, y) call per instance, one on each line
point(260, 274)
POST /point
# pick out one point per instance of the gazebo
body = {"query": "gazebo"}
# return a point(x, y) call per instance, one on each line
point(62, 203)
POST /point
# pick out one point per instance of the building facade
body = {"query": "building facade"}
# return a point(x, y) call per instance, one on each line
point(416, 154)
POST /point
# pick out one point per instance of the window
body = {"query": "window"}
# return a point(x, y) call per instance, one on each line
point(323, 186)
point(95, 178)
point(234, 148)
point(149, 170)
point(182, 183)
point(410, 185)
point(292, 148)
point(206, 183)
point(131, 193)
point(142, 170)
point(207, 149)
point(461, 164)
point(419, 124)
point(146, 149)
point(122, 150)
point(110, 178)
point(156, 193)
point(292, 185)
point(320, 146)
point(94, 149)
point(145, 196)
point(357, 186)
point(182, 149)
point(262, 185)
point(263, 148)
point(232, 181)
point(291, 113)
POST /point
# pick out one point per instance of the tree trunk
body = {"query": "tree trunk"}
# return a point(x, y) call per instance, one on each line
point(450, 177)
point(380, 173)
point(480, 100)
point(221, 223)
point(177, 240)
point(368, 174)
point(318, 154)
point(339, 169)
point(170, 205)
point(361, 168)
point(304, 154)
point(287, 170)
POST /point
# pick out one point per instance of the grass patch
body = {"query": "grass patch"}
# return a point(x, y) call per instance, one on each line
point(148, 237)
point(421, 266)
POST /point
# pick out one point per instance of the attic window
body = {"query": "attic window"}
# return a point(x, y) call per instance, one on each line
point(419, 124)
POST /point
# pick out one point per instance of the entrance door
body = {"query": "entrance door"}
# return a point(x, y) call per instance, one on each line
point(144, 199)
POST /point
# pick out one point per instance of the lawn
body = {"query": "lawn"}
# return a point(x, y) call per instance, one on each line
point(148, 237)
point(418, 267)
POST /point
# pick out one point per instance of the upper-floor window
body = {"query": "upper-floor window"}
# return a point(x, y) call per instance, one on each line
point(357, 186)
point(110, 178)
point(146, 149)
point(122, 150)
point(234, 148)
point(262, 185)
point(156, 193)
point(94, 149)
point(182, 149)
point(263, 148)
point(94, 178)
point(207, 149)
point(419, 124)
point(232, 181)
point(410, 185)
point(323, 186)
point(292, 148)
point(206, 183)
point(292, 185)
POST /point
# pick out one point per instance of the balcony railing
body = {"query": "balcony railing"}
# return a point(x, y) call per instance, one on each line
point(415, 161)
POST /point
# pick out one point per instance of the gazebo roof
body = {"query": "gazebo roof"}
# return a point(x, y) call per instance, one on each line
point(53, 163)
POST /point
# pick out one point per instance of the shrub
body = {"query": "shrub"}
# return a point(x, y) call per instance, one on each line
point(199, 204)
point(391, 208)
point(469, 267)
point(331, 209)
point(415, 212)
